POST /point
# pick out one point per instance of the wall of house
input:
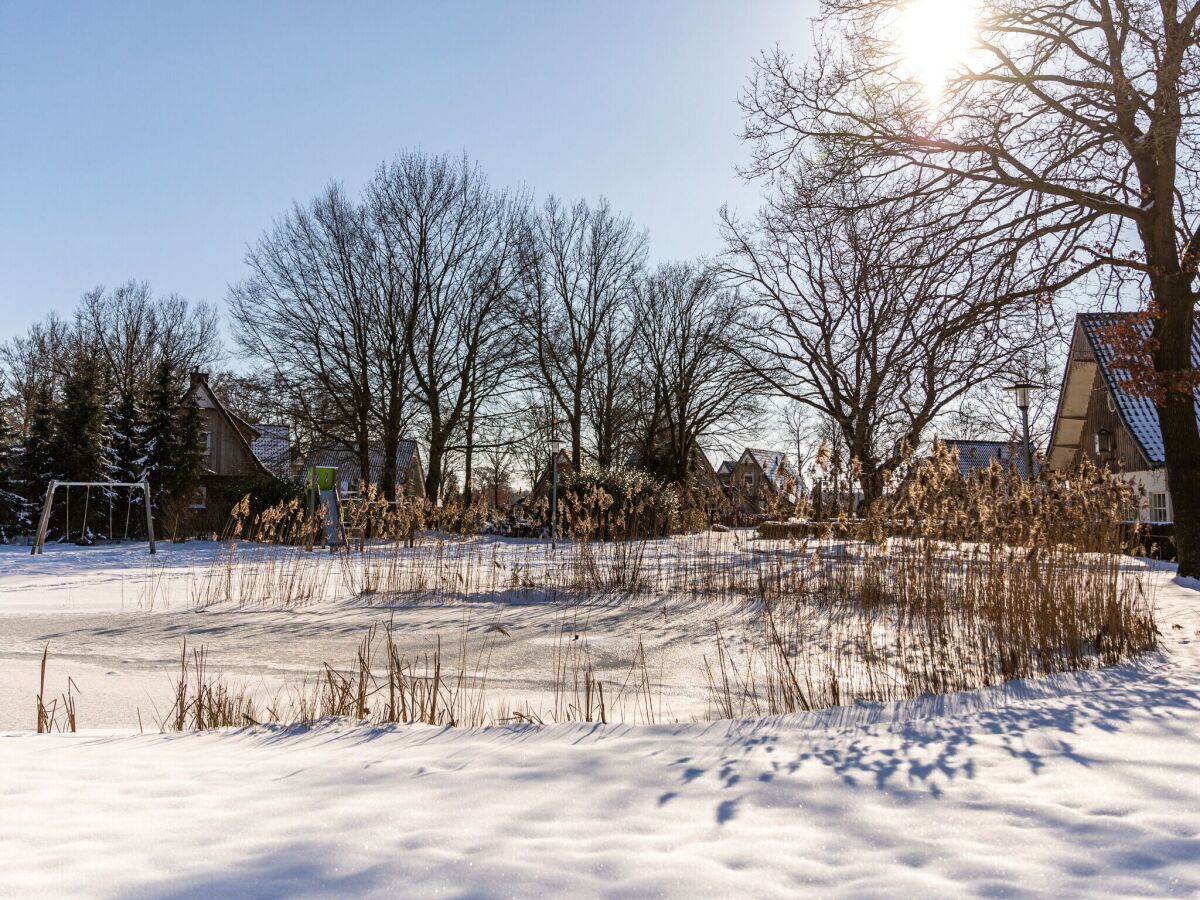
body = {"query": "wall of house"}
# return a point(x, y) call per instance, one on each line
point(750, 492)
point(1102, 413)
point(414, 478)
point(227, 453)
point(1147, 483)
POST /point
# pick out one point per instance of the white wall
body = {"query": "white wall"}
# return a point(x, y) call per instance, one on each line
point(1145, 483)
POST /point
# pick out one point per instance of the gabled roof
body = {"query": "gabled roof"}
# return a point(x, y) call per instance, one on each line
point(273, 448)
point(975, 455)
point(727, 466)
point(778, 470)
point(239, 425)
point(543, 483)
point(346, 461)
point(1092, 351)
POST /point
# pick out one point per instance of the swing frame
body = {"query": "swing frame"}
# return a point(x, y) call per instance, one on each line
point(44, 522)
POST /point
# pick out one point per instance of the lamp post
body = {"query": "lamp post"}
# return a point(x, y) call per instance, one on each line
point(1021, 390)
point(555, 446)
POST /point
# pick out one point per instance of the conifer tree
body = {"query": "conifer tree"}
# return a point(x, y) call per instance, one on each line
point(13, 513)
point(36, 464)
point(126, 432)
point(80, 438)
point(172, 443)
point(79, 442)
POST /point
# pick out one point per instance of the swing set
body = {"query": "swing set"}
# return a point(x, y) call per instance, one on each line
point(133, 486)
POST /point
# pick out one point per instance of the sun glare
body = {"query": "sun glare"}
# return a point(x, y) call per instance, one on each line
point(933, 37)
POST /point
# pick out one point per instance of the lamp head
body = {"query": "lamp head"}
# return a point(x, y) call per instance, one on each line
point(1022, 390)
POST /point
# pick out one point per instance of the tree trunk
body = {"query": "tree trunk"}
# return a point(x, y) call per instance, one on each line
point(1177, 418)
point(364, 458)
point(387, 472)
point(468, 490)
point(871, 482)
point(433, 477)
point(577, 437)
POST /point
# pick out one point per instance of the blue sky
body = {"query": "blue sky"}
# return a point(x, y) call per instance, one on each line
point(155, 140)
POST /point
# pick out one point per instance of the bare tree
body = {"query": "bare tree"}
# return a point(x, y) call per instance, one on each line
point(697, 382)
point(32, 362)
point(1071, 126)
point(608, 408)
point(136, 331)
point(580, 264)
point(452, 242)
point(880, 318)
point(306, 312)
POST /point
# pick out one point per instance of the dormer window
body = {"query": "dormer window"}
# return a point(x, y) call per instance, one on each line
point(1104, 442)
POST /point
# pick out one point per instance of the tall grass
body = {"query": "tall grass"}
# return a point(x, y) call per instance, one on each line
point(950, 583)
point(60, 714)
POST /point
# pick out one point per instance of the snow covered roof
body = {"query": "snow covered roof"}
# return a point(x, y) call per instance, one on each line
point(1138, 413)
point(975, 455)
point(727, 467)
point(346, 461)
point(778, 470)
point(272, 448)
point(1092, 351)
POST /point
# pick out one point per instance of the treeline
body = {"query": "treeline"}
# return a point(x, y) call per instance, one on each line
point(101, 397)
point(436, 305)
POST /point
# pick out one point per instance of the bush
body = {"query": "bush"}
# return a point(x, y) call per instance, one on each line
point(617, 503)
point(263, 491)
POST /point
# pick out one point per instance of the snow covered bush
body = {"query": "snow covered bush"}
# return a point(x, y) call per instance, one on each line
point(617, 503)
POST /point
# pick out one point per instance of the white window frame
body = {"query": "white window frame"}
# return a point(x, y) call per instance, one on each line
point(201, 499)
point(1159, 507)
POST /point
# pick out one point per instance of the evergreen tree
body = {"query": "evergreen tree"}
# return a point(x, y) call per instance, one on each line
point(36, 464)
point(127, 453)
point(80, 438)
point(172, 443)
point(80, 441)
point(13, 512)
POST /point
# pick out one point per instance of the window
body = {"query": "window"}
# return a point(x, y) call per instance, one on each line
point(205, 443)
point(1158, 508)
point(200, 501)
point(1104, 442)
point(748, 481)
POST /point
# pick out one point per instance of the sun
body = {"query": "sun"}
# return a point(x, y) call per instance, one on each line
point(933, 37)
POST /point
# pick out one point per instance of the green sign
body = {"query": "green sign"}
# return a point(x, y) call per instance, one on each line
point(322, 476)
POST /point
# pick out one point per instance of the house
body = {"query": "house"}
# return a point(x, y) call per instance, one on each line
point(725, 472)
point(705, 489)
point(976, 455)
point(410, 474)
point(763, 482)
point(1100, 419)
point(228, 454)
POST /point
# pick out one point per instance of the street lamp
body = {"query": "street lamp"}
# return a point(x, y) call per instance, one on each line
point(1021, 389)
point(555, 446)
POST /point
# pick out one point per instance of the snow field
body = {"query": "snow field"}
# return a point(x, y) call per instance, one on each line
point(1084, 784)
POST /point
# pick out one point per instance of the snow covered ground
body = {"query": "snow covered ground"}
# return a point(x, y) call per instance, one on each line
point(1079, 785)
point(114, 619)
